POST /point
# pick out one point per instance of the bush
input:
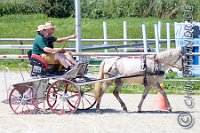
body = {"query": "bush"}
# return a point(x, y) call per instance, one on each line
point(19, 7)
point(59, 8)
point(101, 8)
point(136, 8)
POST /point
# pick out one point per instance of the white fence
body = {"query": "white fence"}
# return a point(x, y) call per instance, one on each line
point(144, 42)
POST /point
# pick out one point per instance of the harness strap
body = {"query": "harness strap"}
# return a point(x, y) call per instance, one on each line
point(156, 64)
point(114, 64)
point(159, 73)
point(145, 70)
point(163, 62)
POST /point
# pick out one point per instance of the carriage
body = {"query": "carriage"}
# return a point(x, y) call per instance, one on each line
point(65, 92)
point(52, 89)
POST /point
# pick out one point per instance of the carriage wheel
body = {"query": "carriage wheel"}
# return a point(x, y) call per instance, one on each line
point(67, 97)
point(88, 99)
point(21, 99)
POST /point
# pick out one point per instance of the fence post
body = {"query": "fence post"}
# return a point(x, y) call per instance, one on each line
point(22, 50)
point(156, 38)
point(168, 36)
point(105, 35)
point(78, 26)
point(144, 37)
point(125, 34)
point(159, 29)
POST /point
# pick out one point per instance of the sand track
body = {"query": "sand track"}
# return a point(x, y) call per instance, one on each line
point(113, 120)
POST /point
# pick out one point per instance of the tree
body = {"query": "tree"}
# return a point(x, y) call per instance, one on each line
point(59, 8)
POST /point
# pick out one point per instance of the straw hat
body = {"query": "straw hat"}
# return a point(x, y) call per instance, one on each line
point(50, 25)
point(41, 27)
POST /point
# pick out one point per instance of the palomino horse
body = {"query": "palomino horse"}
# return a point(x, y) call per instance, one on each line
point(148, 71)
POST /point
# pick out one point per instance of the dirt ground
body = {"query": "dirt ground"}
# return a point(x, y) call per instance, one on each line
point(112, 120)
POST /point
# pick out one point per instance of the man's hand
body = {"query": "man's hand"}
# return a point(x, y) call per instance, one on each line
point(61, 50)
point(66, 38)
point(72, 36)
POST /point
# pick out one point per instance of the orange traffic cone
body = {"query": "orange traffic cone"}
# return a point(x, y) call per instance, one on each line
point(160, 102)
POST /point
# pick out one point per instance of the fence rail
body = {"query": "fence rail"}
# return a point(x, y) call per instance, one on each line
point(94, 55)
point(143, 43)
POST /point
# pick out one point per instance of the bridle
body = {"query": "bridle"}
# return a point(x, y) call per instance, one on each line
point(172, 65)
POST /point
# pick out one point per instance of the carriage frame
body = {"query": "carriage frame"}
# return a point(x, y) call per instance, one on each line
point(62, 93)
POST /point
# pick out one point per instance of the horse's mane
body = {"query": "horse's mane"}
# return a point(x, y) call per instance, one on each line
point(168, 53)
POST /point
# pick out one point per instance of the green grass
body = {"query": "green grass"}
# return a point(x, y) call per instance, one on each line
point(24, 26)
point(170, 88)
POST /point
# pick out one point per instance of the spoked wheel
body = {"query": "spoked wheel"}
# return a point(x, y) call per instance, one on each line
point(22, 99)
point(63, 97)
point(88, 99)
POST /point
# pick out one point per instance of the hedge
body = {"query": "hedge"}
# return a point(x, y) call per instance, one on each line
point(101, 8)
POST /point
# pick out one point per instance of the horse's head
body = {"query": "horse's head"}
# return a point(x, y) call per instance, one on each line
point(180, 60)
point(171, 58)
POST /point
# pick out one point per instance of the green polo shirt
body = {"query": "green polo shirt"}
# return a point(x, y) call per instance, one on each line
point(38, 44)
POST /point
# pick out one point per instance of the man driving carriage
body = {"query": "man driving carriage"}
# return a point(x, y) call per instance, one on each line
point(51, 28)
point(50, 54)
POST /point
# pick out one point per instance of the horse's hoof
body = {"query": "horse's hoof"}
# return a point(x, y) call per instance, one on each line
point(99, 111)
point(139, 111)
point(170, 110)
point(125, 110)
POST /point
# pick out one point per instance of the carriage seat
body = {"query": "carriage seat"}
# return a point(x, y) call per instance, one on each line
point(41, 67)
point(35, 57)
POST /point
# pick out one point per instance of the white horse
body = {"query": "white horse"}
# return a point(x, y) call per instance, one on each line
point(148, 72)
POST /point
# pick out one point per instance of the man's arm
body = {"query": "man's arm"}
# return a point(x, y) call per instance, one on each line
point(64, 39)
point(52, 50)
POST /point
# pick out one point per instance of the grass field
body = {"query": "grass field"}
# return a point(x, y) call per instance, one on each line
point(24, 26)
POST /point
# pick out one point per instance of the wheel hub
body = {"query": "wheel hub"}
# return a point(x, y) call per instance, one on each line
point(64, 97)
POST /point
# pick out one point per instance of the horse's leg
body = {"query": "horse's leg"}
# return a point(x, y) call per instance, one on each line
point(105, 85)
point(146, 91)
point(165, 96)
point(98, 104)
point(118, 86)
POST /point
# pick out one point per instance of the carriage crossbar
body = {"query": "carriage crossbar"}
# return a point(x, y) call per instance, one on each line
point(137, 74)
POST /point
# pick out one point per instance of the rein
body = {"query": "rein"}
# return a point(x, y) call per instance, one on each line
point(146, 74)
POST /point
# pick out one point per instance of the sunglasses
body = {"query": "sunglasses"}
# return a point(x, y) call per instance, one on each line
point(53, 29)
